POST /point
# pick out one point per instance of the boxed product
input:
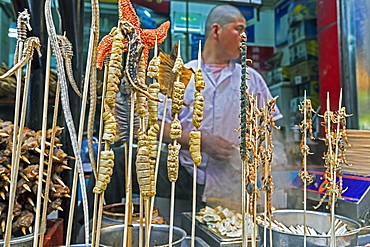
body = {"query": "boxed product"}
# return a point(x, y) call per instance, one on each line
point(300, 10)
point(304, 72)
point(304, 50)
point(278, 75)
point(301, 31)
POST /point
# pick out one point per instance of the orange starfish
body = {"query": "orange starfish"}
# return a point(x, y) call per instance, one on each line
point(147, 36)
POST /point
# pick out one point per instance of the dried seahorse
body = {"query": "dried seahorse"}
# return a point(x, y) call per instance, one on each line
point(67, 53)
point(67, 112)
point(133, 59)
point(30, 44)
point(23, 23)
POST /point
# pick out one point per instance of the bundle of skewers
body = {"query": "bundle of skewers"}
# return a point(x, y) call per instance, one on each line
point(335, 139)
point(256, 125)
point(340, 228)
point(306, 129)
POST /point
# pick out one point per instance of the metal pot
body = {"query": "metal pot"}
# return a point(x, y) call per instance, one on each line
point(114, 214)
point(113, 235)
point(23, 241)
point(318, 220)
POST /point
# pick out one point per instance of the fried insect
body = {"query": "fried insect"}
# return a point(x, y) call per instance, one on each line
point(194, 147)
point(105, 171)
point(114, 67)
point(198, 109)
point(110, 126)
point(153, 149)
point(199, 81)
point(141, 104)
point(143, 168)
point(306, 107)
point(173, 161)
point(152, 104)
point(177, 97)
point(153, 68)
point(175, 129)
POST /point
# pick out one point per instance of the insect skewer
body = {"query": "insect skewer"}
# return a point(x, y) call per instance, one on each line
point(158, 155)
point(333, 197)
point(255, 163)
point(129, 170)
point(332, 173)
point(97, 204)
point(172, 207)
point(244, 227)
point(305, 174)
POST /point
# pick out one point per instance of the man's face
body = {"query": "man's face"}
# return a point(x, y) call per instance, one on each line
point(229, 38)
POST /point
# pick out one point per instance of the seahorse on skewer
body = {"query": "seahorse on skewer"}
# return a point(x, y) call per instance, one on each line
point(29, 46)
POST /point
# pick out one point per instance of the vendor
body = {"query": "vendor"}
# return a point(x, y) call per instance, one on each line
point(217, 175)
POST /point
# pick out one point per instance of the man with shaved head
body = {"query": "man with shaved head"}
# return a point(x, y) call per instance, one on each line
point(218, 174)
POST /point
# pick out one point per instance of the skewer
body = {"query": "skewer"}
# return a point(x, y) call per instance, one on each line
point(76, 169)
point(305, 179)
point(49, 169)
point(248, 173)
point(332, 174)
point(128, 208)
point(333, 241)
point(333, 178)
point(20, 43)
point(159, 154)
point(90, 75)
point(15, 165)
point(95, 229)
point(41, 162)
point(244, 228)
point(255, 164)
point(128, 203)
point(100, 213)
point(159, 146)
point(141, 213)
point(147, 220)
point(195, 167)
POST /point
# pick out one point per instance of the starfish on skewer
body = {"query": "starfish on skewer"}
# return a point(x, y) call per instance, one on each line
point(147, 36)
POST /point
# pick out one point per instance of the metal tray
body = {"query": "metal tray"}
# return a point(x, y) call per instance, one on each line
point(209, 236)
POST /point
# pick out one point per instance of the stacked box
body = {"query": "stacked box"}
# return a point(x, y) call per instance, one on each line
point(279, 74)
point(302, 31)
point(304, 50)
point(304, 72)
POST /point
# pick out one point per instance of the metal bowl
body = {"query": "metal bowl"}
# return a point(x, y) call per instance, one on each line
point(318, 220)
point(113, 235)
point(24, 241)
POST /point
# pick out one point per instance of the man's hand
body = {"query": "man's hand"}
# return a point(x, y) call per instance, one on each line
point(217, 147)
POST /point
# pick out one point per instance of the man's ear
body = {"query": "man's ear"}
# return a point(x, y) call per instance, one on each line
point(214, 30)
